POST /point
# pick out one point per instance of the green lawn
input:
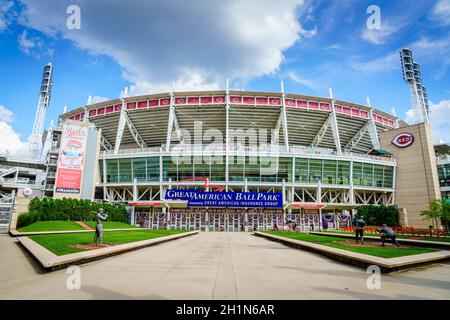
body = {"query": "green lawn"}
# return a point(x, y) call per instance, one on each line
point(51, 226)
point(60, 244)
point(70, 226)
point(334, 242)
point(112, 225)
point(440, 239)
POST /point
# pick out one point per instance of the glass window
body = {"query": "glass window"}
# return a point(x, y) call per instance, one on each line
point(357, 174)
point(112, 171)
point(367, 174)
point(202, 169)
point(236, 168)
point(252, 169)
point(301, 170)
point(125, 173)
point(152, 165)
point(444, 175)
point(343, 175)
point(100, 170)
point(285, 170)
point(269, 169)
point(185, 168)
point(139, 169)
point(169, 169)
point(329, 172)
point(378, 176)
point(218, 169)
point(315, 170)
point(388, 177)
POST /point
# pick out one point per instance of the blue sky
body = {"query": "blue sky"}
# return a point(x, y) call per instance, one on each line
point(153, 46)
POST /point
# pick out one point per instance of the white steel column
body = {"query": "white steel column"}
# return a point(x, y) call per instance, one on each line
point(246, 211)
point(105, 191)
point(284, 202)
point(227, 136)
point(334, 126)
point(135, 198)
point(120, 127)
point(283, 110)
point(319, 200)
point(351, 191)
point(170, 122)
point(373, 133)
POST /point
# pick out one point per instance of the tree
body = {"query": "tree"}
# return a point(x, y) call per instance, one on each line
point(438, 209)
point(446, 212)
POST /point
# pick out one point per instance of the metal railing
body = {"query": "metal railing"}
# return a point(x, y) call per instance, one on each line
point(443, 158)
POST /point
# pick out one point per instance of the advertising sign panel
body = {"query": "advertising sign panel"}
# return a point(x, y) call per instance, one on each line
point(71, 159)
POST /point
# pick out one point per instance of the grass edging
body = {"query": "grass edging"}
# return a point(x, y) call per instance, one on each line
point(417, 243)
point(16, 233)
point(51, 262)
point(359, 259)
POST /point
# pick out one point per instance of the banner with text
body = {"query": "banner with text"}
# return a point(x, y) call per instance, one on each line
point(196, 198)
point(71, 158)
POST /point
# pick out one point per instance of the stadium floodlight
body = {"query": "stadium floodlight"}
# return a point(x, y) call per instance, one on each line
point(413, 77)
point(44, 101)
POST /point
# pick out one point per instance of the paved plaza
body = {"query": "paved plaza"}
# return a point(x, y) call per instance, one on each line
point(213, 266)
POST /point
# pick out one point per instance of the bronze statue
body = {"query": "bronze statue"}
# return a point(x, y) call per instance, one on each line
point(98, 236)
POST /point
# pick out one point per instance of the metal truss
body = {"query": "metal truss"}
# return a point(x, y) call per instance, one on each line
point(321, 134)
point(373, 132)
point(106, 145)
point(363, 197)
point(123, 194)
point(134, 132)
point(357, 138)
point(335, 196)
point(173, 124)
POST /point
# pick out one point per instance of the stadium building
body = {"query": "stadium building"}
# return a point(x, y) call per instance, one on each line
point(322, 157)
point(229, 160)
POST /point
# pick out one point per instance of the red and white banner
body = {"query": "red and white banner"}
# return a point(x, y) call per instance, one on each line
point(71, 159)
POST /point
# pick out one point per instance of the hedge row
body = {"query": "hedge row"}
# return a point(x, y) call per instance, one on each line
point(47, 209)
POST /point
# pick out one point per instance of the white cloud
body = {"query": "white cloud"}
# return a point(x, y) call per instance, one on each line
point(10, 140)
point(34, 46)
point(380, 36)
point(440, 120)
point(296, 77)
point(383, 64)
point(5, 18)
point(186, 44)
point(441, 12)
point(425, 50)
point(98, 99)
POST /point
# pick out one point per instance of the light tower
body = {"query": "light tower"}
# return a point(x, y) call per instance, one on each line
point(418, 92)
point(44, 102)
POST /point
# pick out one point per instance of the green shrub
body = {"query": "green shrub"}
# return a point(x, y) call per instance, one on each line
point(47, 209)
point(378, 215)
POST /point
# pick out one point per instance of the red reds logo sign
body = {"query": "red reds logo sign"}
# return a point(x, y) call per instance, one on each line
point(403, 140)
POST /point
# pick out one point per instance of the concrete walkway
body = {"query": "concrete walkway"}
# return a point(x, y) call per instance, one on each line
point(214, 266)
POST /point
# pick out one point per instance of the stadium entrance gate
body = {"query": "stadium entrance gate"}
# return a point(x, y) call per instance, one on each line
point(235, 220)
